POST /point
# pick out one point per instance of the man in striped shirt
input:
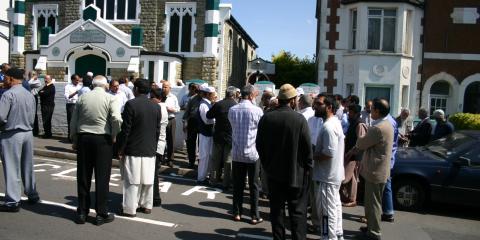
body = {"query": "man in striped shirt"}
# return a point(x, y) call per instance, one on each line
point(244, 118)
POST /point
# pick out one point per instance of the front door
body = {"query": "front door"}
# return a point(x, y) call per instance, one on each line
point(471, 101)
point(90, 63)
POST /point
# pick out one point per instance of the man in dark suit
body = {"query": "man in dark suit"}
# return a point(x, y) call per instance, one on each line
point(284, 147)
point(137, 149)
point(222, 139)
point(421, 134)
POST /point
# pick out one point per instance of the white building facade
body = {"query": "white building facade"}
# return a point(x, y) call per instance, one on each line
point(371, 49)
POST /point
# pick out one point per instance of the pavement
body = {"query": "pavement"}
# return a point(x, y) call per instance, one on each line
point(194, 212)
point(59, 147)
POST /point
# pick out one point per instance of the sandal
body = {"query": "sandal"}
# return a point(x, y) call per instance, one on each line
point(237, 218)
point(362, 219)
point(256, 221)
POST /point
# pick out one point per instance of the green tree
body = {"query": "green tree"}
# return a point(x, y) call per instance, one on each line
point(291, 69)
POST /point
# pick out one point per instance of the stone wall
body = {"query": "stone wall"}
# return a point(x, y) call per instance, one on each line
point(209, 71)
point(57, 73)
point(69, 12)
point(117, 73)
point(178, 70)
point(17, 60)
point(192, 68)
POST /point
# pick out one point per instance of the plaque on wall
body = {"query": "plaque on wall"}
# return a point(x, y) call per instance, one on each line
point(87, 36)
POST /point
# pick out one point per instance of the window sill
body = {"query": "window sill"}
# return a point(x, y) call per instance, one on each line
point(351, 52)
point(123, 21)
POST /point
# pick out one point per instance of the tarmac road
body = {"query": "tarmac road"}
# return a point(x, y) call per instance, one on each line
point(194, 212)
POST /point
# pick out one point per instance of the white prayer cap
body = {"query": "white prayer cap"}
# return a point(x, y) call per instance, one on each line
point(268, 89)
point(209, 89)
point(300, 91)
point(90, 74)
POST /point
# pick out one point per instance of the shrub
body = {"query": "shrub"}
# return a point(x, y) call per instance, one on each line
point(465, 121)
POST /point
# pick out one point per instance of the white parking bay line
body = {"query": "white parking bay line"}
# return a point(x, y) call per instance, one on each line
point(245, 235)
point(135, 219)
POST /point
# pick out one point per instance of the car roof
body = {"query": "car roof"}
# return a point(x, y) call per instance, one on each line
point(472, 133)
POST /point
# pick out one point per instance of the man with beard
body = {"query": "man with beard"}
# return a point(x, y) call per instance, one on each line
point(356, 128)
point(287, 163)
point(328, 171)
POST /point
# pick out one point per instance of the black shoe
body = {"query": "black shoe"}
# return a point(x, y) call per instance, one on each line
point(387, 218)
point(101, 219)
point(34, 200)
point(191, 165)
point(47, 136)
point(313, 229)
point(5, 208)
point(205, 182)
point(81, 218)
point(364, 229)
point(157, 202)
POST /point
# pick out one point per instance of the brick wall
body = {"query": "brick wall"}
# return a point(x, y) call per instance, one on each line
point(116, 73)
point(209, 71)
point(17, 61)
point(57, 73)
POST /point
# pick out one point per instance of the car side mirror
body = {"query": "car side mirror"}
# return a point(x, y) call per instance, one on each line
point(462, 162)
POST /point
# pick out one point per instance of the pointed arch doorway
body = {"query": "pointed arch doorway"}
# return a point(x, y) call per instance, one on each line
point(90, 63)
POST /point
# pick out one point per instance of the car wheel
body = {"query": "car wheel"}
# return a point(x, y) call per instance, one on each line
point(409, 194)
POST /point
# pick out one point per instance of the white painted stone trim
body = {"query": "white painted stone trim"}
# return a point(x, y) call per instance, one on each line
point(452, 105)
point(453, 56)
point(45, 10)
point(463, 87)
point(190, 8)
point(465, 15)
point(212, 16)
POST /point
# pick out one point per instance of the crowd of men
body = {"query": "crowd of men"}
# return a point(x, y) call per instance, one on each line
point(301, 150)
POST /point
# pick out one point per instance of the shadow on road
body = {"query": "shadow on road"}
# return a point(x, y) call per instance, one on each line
point(222, 233)
point(194, 211)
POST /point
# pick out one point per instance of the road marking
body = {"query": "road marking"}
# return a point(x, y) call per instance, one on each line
point(253, 236)
point(62, 174)
point(45, 164)
point(135, 219)
point(210, 193)
point(57, 161)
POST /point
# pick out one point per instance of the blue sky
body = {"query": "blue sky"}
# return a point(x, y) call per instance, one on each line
point(278, 24)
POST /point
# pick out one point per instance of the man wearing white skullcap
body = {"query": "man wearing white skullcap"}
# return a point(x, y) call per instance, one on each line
point(205, 129)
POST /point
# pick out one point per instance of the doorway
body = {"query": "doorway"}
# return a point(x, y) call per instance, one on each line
point(90, 63)
point(471, 101)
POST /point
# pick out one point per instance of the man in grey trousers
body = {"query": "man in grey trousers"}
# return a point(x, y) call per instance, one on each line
point(17, 109)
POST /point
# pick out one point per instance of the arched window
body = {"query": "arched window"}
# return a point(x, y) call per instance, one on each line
point(186, 32)
point(174, 32)
point(117, 10)
point(181, 21)
point(439, 94)
point(44, 15)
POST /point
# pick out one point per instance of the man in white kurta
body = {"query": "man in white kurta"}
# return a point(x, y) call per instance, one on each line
point(137, 147)
point(205, 129)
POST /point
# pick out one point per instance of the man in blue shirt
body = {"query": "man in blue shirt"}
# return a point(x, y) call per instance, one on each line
point(17, 108)
point(387, 199)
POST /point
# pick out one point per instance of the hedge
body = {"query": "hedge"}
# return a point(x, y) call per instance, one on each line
point(465, 121)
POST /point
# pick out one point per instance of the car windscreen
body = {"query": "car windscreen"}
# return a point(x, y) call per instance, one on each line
point(450, 145)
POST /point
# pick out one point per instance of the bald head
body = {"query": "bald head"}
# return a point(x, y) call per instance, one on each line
point(381, 107)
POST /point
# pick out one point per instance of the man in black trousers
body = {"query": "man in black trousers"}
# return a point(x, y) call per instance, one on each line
point(190, 125)
point(47, 105)
point(283, 143)
point(96, 121)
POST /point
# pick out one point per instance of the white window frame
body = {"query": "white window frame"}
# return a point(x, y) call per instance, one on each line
point(382, 17)
point(353, 29)
point(438, 97)
point(45, 10)
point(115, 20)
point(181, 9)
